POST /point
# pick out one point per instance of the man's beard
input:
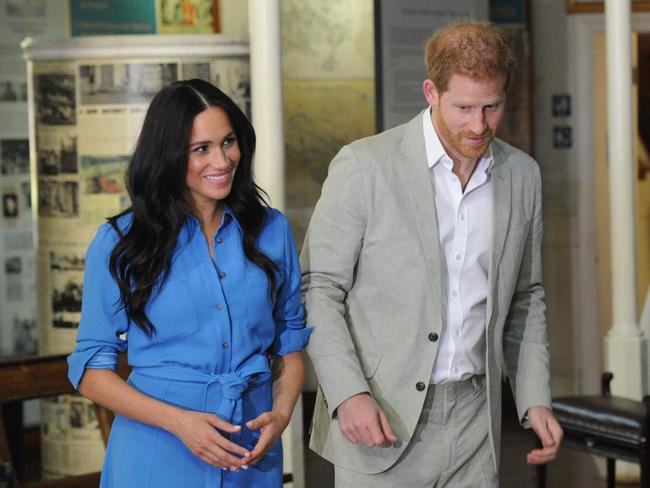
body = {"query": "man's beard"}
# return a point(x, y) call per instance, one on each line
point(455, 139)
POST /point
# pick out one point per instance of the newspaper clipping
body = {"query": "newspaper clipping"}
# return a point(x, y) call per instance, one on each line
point(17, 273)
point(71, 438)
point(88, 115)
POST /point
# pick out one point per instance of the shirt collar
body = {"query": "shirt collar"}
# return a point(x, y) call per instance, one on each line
point(228, 217)
point(436, 152)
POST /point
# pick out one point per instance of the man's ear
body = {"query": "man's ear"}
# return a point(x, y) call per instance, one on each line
point(430, 92)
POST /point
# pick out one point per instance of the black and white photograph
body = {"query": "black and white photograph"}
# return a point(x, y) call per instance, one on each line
point(57, 155)
point(13, 265)
point(196, 70)
point(58, 198)
point(66, 271)
point(66, 302)
point(55, 94)
point(26, 8)
point(124, 83)
point(9, 91)
point(22, 91)
point(232, 76)
point(14, 157)
point(14, 279)
point(10, 205)
point(66, 262)
point(25, 341)
point(26, 190)
point(55, 421)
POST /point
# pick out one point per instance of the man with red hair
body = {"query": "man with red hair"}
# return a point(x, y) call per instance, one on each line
point(422, 280)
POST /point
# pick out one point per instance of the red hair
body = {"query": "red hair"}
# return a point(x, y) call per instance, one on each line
point(478, 50)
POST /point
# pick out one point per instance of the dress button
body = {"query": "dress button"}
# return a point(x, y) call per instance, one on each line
point(222, 275)
point(225, 345)
point(433, 337)
point(419, 386)
point(219, 306)
point(219, 240)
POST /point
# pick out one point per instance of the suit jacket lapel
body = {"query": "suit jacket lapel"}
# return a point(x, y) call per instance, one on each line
point(502, 194)
point(415, 180)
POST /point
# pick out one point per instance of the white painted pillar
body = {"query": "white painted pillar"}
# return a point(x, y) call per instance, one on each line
point(626, 344)
point(266, 96)
point(266, 105)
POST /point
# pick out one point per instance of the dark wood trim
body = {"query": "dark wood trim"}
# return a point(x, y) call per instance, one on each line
point(79, 481)
point(579, 7)
point(216, 16)
point(41, 376)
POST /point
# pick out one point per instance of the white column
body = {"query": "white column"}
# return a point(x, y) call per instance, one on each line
point(626, 344)
point(266, 104)
point(266, 96)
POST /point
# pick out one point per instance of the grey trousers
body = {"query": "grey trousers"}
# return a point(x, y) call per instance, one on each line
point(450, 447)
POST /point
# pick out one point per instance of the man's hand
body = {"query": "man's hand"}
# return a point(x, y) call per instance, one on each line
point(362, 420)
point(549, 432)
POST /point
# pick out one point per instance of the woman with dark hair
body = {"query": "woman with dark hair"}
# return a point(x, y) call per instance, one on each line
point(199, 280)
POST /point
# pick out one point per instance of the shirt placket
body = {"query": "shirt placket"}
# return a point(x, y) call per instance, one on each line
point(454, 267)
point(218, 283)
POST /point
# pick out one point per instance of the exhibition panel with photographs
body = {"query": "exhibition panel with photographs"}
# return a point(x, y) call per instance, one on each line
point(86, 116)
point(45, 19)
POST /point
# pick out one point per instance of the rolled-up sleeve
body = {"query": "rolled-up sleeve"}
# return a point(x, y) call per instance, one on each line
point(288, 313)
point(103, 320)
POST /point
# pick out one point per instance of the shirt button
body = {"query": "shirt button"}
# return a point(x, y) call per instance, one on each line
point(456, 332)
point(455, 370)
point(420, 386)
point(433, 337)
point(222, 274)
point(225, 345)
point(462, 217)
point(454, 293)
point(219, 306)
point(219, 240)
point(458, 256)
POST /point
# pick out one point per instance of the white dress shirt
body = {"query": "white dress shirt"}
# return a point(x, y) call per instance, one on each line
point(465, 232)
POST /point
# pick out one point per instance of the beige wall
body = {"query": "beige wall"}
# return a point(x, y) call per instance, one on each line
point(559, 180)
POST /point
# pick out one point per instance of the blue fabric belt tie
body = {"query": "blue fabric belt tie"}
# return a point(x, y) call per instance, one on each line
point(230, 387)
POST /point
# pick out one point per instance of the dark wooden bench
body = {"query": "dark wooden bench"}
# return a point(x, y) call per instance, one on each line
point(606, 425)
point(30, 377)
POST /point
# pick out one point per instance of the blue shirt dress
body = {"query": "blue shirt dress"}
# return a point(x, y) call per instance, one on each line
point(215, 332)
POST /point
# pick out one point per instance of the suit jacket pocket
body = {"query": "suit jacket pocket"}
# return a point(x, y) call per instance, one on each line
point(172, 312)
point(369, 362)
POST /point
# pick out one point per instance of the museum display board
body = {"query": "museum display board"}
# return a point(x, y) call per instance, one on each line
point(401, 31)
point(87, 98)
point(329, 94)
point(18, 19)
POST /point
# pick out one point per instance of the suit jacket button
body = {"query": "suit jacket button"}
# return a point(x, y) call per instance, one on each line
point(433, 337)
point(419, 386)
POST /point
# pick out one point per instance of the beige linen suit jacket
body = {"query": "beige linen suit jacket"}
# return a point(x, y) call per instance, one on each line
point(372, 288)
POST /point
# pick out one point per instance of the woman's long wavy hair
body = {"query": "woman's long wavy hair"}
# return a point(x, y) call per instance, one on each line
point(155, 180)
